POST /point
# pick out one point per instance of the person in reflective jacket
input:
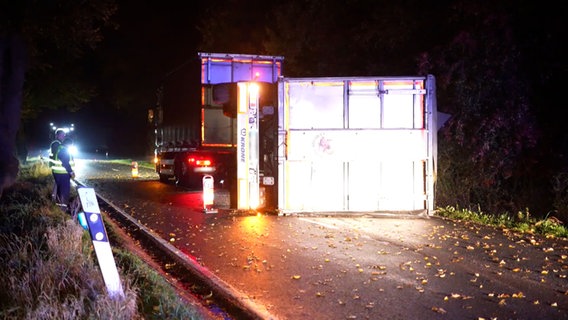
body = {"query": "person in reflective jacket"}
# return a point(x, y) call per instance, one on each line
point(62, 173)
point(54, 147)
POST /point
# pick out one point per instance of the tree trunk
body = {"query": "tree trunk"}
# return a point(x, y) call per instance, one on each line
point(13, 58)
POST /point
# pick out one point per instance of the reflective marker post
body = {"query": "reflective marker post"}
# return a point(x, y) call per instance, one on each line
point(100, 242)
point(208, 194)
point(134, 169)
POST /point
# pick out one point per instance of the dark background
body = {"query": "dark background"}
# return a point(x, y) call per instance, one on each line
point(155, 44)
point(500, 69)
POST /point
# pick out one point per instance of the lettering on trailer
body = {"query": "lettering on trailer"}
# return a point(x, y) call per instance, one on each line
point(252, 115)
point(253, 145)
point(253, 157)
point(242, 143)
point(100, 242)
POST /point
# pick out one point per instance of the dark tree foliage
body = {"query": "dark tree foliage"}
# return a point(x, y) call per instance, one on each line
point(234, 26)
point(491, 150)
point(499, 67)
point(38, 42)
point(354, 37)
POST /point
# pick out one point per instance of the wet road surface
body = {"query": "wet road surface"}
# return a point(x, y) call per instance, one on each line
point(364, 267)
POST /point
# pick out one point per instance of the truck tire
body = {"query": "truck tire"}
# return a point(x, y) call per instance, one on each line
point(181, 174)
point(164, 178)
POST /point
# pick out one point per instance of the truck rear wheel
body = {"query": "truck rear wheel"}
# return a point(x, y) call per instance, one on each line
point(182, 174)
point(164, 178)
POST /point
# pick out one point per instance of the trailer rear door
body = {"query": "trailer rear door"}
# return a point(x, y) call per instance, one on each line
point(357, 144)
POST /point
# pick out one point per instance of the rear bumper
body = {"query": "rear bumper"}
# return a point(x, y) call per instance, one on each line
point(204, 169)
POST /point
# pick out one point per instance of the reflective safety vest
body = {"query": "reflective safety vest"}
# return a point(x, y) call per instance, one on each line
point(53, 149)
point(57, 165)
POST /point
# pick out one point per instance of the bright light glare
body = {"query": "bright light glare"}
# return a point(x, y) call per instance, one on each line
point(254, 224)
point(73, 150)
point(204, 163)
point(253, 90)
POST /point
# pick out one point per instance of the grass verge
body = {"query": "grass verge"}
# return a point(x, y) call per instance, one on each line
point(50, 269)
point(523, 222)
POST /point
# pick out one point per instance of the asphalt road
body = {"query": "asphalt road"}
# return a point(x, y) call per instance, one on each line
point(366, 267)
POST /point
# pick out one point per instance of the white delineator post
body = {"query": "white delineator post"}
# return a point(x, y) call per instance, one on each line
point(208, 194)
point(134, 169)
point(100, 242)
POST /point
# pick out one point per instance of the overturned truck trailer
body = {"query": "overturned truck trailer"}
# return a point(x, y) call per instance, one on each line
point(334, 144)
point(357, 144)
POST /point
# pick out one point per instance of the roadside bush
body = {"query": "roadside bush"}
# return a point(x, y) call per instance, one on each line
point(560, 189)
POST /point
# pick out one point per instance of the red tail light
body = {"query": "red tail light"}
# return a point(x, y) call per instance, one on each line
point(203, 163)
point(199, 162)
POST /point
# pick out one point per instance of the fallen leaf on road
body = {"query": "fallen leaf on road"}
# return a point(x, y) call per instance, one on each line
point(378, 267)
point(439, 310)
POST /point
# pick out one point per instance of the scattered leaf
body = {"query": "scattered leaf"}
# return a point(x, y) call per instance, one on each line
point(439, 310)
